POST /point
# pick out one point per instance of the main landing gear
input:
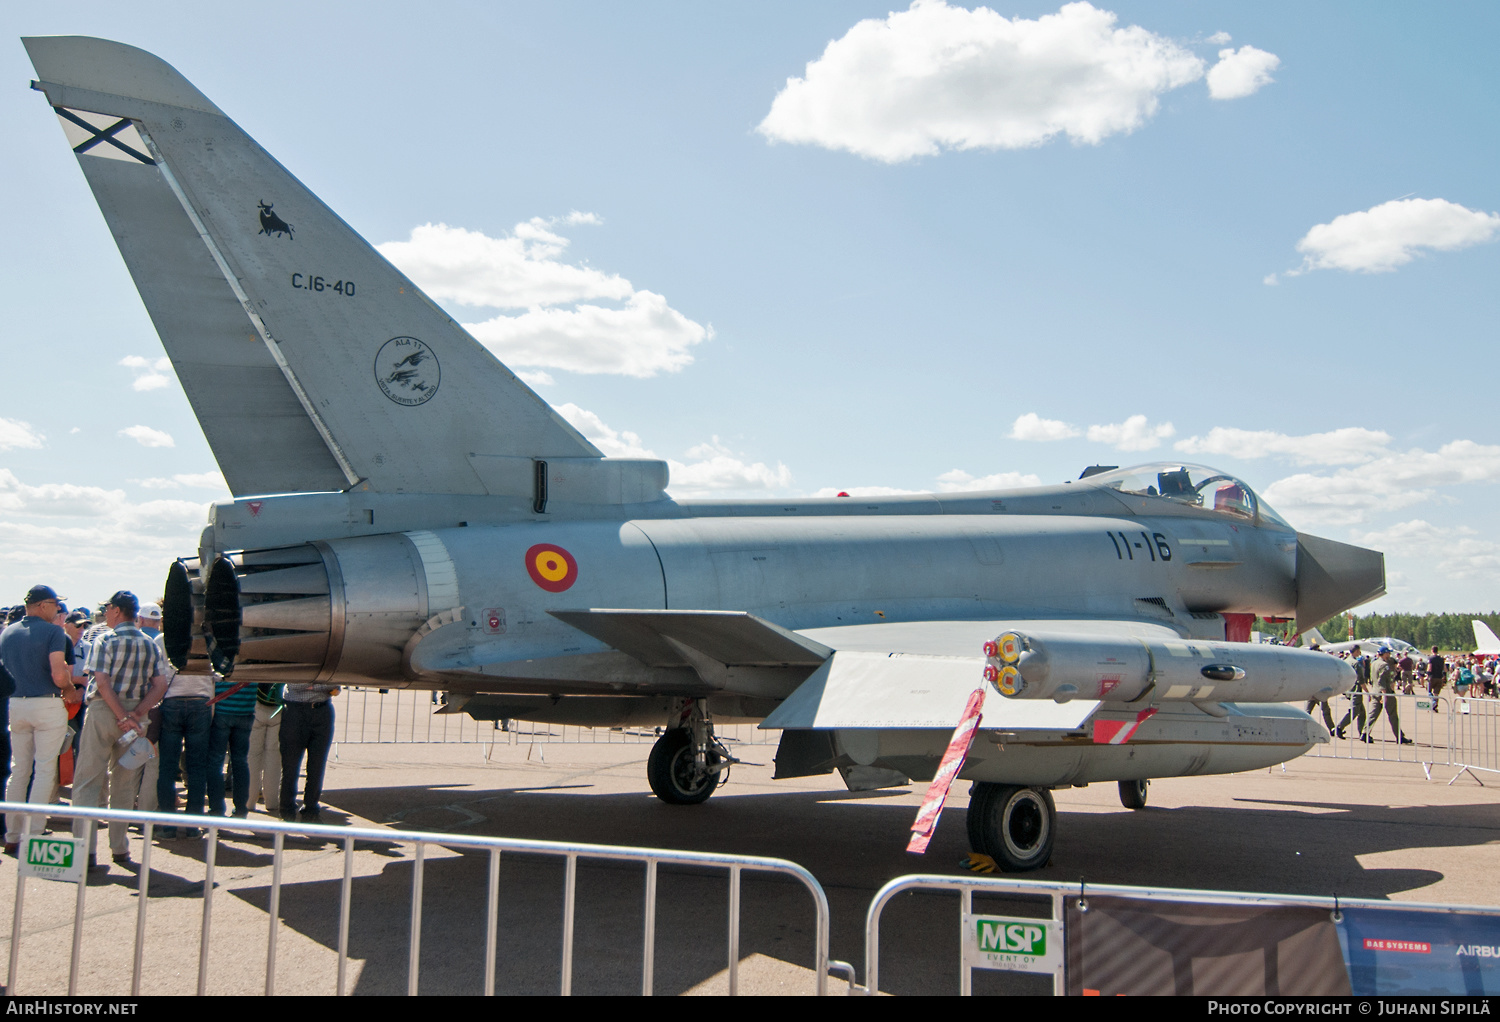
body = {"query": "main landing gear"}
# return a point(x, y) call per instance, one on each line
point(687, 763)
point(1133, 794)
point(1015, 826)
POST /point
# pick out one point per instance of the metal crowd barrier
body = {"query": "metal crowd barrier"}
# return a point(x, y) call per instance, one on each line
point(571, 852)
point(365, 716)
point(1057, 894)
point(1474, 736)
point(1462, 732)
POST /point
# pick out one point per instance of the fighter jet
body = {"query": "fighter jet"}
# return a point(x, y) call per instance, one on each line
point(407, 513)
point(1369, 647)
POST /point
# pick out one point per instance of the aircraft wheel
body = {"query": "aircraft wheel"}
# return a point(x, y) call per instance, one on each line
point(1133, 794)
point(1018, 826)
point(979, 796)
point(673, 773)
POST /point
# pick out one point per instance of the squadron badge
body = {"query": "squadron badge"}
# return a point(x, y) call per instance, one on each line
point(407, 371)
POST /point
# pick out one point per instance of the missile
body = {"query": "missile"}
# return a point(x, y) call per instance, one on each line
point(1119, 668)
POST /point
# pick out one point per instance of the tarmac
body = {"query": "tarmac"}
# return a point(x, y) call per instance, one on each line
point(1315, 826)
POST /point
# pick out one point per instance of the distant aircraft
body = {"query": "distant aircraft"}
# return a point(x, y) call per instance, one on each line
point(1484, 640)
point(408, 513)
point(1313, 637)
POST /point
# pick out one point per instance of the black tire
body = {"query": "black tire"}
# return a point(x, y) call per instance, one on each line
point(1018, 827)
point(670, 770)
point(1133, 794)
point(979, 795)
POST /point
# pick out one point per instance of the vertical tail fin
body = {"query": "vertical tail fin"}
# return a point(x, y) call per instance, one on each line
point(1484, 639)
point(310, 361)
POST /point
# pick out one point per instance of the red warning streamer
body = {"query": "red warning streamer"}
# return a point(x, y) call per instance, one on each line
point(953, 761)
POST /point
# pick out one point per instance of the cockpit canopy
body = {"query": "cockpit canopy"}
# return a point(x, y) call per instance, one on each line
point(1193, 485)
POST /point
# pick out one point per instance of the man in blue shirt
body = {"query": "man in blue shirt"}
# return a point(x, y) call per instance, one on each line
point(33, 651)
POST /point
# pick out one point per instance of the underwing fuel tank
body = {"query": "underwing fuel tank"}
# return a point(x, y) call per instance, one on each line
point(1062, 666)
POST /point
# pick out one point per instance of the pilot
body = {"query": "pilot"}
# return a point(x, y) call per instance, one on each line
point(1231, 497)
point(1356, 700)
point(1383, 676)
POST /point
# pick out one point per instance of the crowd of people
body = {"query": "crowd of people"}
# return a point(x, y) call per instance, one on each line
point(1392, 672)
point(92, 698)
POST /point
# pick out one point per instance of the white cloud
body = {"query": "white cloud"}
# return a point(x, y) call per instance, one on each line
point(644, 338)
point(940, 77)
point(959, 481)
point(14, 433)
point(1456, 552)
point(715, 470)
point(89, 541)
point(520, 271)
point(611, 442)
point(1389, 483)
point(562, 327)
point(536, 378)
point(149, 374)
point(1219, 38)
point(1241, 72)
point(1392, 234)
point(1351, 445)
point(148, 437)
point(1134, 434)
point(1032, 426)
point(54, 499)
point(213, 480)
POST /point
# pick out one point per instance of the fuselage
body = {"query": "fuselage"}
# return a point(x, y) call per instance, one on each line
point(345, 608)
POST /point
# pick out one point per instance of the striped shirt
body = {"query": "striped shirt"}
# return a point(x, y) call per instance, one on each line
point(242, 702)
point(89, 640)
point(130, 658)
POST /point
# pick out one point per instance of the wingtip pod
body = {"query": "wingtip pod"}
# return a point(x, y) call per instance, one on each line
point(109, 68)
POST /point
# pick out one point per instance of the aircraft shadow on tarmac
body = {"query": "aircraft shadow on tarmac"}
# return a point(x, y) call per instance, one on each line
point(852, 842)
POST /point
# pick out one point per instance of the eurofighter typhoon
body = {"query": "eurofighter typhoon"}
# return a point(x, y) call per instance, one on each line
point(407, 513)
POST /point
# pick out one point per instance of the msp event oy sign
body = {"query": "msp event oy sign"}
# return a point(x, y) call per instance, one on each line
point(53, 858)
point(1013, 945)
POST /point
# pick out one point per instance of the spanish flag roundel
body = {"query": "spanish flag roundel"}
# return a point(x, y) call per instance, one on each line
point(551, 567)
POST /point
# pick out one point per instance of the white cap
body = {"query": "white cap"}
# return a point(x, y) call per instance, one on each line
point(150, 611)
point(137, 754)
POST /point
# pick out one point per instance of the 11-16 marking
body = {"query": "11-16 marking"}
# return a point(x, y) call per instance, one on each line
point(1154, 544)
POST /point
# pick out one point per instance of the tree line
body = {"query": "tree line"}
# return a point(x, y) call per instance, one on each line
point(1448, 632)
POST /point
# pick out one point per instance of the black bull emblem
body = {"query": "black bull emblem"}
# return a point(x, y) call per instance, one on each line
point(271, 224)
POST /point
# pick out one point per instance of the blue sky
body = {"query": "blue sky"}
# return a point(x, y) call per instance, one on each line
point(963, 232)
